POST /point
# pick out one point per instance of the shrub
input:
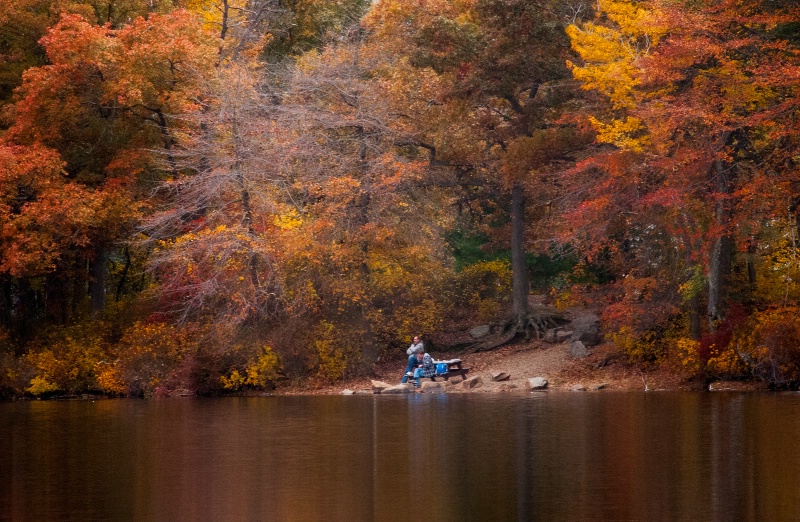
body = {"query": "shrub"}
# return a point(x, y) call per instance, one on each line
point(638, 348)
point(332, 352)
point(65, 359)
point(258, 373)
point(484, 287)
point(155, 357)
point(771, 346)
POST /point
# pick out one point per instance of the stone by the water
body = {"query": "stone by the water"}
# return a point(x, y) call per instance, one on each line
point(577, 350)
point(379, 386)
point(500, 376)
point(399, 389)
point(433, 387)
point(537, 383)
point(472, 382)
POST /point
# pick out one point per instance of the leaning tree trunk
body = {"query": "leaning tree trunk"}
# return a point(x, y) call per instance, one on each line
point(519, 266)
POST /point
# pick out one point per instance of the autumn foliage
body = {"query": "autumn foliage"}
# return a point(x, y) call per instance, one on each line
point(203, 197)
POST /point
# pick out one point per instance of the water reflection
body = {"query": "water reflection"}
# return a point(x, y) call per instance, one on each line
point(600, 456)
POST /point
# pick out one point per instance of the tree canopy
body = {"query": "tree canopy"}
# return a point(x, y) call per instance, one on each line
point(218, 194)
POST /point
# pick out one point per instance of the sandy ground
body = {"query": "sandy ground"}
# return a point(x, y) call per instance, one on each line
point(603, 368)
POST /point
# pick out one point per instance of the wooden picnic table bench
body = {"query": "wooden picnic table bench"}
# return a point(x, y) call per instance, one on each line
point(454, 368)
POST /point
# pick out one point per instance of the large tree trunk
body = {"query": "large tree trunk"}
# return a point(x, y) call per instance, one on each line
point(720, 262)
point(519, 265)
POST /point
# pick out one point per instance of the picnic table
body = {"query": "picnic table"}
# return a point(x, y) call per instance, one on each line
point(454, 368)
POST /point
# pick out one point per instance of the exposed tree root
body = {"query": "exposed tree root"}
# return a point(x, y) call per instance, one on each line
point(536, 323)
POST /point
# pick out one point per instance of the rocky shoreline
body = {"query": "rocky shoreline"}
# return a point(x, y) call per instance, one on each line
point(515, 368)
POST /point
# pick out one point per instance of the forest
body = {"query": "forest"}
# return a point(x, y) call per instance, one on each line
point(215, 196)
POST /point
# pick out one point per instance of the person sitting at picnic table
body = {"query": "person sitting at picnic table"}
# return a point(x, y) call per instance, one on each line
point(416, 348)
point(426, 369)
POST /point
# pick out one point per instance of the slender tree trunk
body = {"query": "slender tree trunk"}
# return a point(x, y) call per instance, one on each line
point(519, 266)
point(55, 299)
point(24, 309)
point(752, 249)
point(6, 301)
point(694, 318)
point(369, 351)
point(123, 280)
point(97, 282)
point(244, 192)
point(78, 302)
point(797, 227)
point(168, 141)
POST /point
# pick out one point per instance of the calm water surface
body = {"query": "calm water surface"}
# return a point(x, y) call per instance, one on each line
point(546, 456)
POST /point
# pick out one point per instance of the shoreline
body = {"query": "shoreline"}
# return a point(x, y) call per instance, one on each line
point(603, 369)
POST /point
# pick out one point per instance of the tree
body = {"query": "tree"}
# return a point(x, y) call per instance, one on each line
point(699, 117)
point(485, 80)
point(358, 183)
point(106, 99)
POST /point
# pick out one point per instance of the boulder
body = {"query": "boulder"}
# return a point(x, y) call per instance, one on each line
point(500, 376)
point(379, 386)
point(433, 387)
point(508, 386)
point(601, 386)
point(578, 387)
point(472, 382)
point(563, 335)
point(348, 391)
point(399, 389)
point(577, 350)
point(363, 392)
point(586, 329)
point(537, 383)
point(550, 335)
point(480, 331)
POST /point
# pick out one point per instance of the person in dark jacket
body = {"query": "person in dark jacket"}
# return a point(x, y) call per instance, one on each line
point(426, 369)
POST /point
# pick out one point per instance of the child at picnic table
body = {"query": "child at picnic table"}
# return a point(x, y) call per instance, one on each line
point(424, 367)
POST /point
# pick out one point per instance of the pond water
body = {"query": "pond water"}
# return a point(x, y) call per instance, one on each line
point(542, 456)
